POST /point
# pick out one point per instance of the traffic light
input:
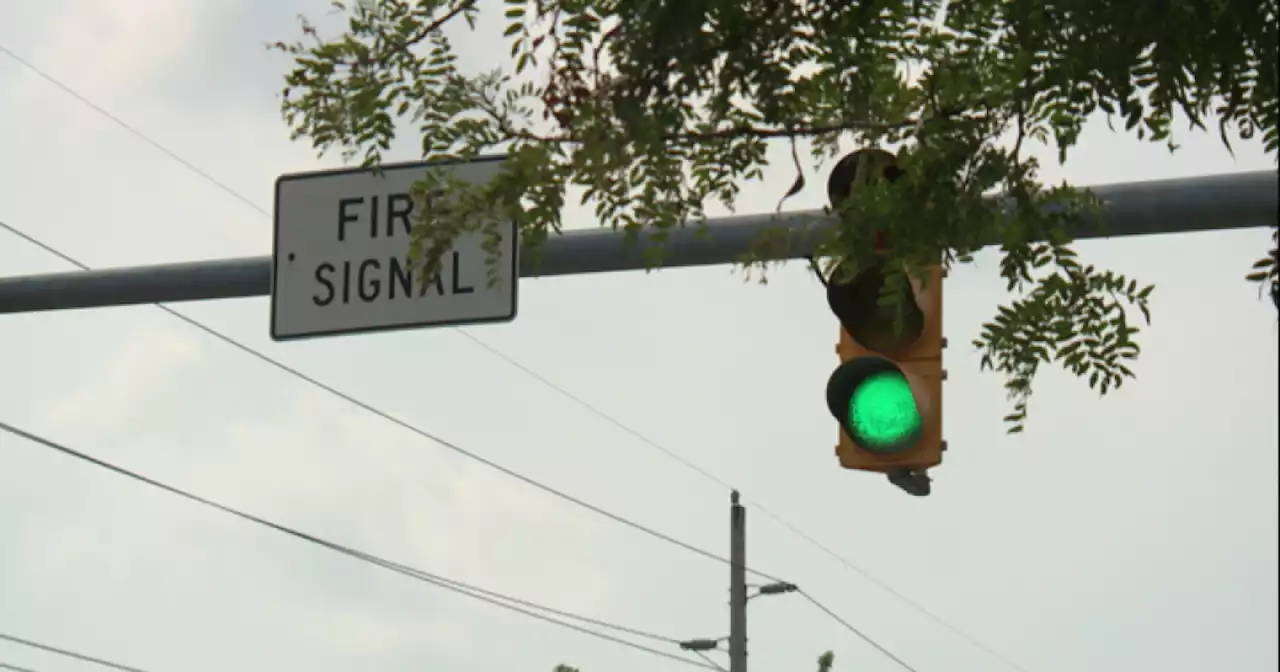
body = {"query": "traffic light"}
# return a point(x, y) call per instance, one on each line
point(886, 395)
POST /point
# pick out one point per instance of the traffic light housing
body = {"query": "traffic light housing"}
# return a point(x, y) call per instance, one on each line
point(886, 394)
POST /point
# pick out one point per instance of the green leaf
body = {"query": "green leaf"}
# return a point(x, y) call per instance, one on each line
point(653, 113)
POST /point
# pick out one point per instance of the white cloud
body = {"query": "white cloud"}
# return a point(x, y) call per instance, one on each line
point(125, 390)
point(725, 375)
point(129, 43)
point(303, 459)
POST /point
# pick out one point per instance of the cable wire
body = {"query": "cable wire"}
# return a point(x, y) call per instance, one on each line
point(596, 410)
point(582, 402)
point(426, 577)
point(69, 654)
point(247, 201)
point(977, 643)
point(14, 668)
point(714, 665)
point(861, 635)
point(135, 132)
point(401, 423)
point(759, 507)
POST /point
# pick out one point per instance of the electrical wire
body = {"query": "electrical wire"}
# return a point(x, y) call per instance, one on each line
point(481, 594)
point(580, 401)
point(401, 423)
point(266, 213)
point(135, 132)
point(714, 665)
point(861, 635)
point(762, 509)
point(14, 668)
point(68, 654)
point(596, 410)
point(795, 530)
point(920, 609)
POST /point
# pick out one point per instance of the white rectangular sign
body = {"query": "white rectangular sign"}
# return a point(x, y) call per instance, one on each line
point(341, 250)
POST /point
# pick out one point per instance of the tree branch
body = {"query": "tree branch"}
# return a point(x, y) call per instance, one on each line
point(422, 34)
point(437, 24)
point(736, 131)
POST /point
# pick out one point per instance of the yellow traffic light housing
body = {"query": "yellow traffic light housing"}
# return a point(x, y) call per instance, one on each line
point(886, 395)
point(888, 398)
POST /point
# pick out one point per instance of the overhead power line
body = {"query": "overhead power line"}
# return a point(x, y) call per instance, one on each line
point(491, 597)
point(592, 408)
point(66, 653)
point(14, 668)
point(135, 132)
point(481, 594)
point(761, 508)
point(860, 634)
point(267, 213)
point(807, 538)
point(977, 643)
point(397, 421)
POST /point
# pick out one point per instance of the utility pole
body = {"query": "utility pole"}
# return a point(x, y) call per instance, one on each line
point(737, 585)
point(738, 596)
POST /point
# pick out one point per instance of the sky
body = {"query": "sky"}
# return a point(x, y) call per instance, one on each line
point(1133, 532)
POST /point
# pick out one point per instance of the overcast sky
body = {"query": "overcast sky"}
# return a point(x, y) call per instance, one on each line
point(1136, 532)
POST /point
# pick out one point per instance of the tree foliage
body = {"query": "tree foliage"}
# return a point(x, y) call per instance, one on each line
point(654, 109)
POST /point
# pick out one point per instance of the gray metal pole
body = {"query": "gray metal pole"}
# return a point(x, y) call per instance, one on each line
point(737, 585)
point(1231, 201)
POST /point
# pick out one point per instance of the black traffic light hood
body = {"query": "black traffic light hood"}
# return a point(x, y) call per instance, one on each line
point(857, 305)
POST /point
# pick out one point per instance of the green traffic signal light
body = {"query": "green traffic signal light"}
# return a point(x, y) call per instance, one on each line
point(872, 400)
point(883, 411)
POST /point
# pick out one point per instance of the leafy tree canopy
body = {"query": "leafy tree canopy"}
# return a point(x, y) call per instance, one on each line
point(654, 109)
